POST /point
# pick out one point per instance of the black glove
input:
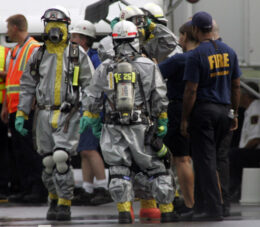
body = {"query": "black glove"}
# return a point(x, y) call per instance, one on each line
point(167, 159)
point(163, 152)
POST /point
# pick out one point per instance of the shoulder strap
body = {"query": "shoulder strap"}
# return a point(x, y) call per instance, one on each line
point(37, 61)
point(74, 61)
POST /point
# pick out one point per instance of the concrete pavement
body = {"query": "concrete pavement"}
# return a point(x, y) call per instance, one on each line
point(14, 215)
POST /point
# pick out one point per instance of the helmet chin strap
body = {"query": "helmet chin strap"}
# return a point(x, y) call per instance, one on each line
point(129, 44)
point(132, 47)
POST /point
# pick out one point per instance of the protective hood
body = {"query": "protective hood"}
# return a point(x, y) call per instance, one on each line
point(106, 48)
point(58, 49)
point(127, 48)
point(57, 33)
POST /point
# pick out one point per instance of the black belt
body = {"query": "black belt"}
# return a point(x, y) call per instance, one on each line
point(114, 119)
point(48, 107)
point(210, 102)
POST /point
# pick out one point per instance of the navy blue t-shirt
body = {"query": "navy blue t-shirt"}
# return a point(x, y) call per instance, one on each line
point(213, 69)
point(172, 69)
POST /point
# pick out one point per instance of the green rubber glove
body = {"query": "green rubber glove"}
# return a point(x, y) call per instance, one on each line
point(19, 123)
point(93, 122)
point(150, 25)
point(96, 128)
point(162, 127)
point(83, 124)
point(148, 22)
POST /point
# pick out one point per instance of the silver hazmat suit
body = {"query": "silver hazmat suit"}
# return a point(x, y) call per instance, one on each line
point(50, 90)
point(106, 48)
point(160, 43)
point(122, 145)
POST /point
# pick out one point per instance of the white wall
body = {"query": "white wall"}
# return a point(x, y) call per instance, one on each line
point(253, 36)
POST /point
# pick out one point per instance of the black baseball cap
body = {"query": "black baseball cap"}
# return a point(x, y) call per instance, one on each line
point(202, 20)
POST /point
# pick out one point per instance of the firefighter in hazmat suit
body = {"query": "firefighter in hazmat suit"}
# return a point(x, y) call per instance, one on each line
point(54, 75)
point(156, 40)
point(135, 97)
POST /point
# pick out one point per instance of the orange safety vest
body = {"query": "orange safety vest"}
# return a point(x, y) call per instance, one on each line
point(15, 70)
point(3, 54)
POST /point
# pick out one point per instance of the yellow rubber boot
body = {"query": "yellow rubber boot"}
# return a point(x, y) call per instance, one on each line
point(149, 213)
point(167, 213)
point(125, 213)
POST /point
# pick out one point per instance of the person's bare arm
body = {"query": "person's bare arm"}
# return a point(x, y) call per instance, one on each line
point(189, 98)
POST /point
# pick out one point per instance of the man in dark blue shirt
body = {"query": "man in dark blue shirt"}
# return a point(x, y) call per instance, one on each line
point(212, 78)
point(172, 69)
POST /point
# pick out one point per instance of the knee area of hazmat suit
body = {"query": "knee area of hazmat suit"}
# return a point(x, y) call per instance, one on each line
point(121, 190)
point(162, 189)
point(61, 158)
point(48, 164)
point(120, 186)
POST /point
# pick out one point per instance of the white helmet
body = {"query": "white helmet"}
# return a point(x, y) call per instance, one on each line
point(57, 13)
point(125, 37)
point(155, 11)
point(84, 27)
point(124, 30)
point(134, 14)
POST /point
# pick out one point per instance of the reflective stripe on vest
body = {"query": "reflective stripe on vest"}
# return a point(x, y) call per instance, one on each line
point(3, 54)
point(11, 89)
point(2, 58)
point(16, 67)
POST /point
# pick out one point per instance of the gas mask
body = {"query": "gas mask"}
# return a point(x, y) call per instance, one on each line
point(55, 33)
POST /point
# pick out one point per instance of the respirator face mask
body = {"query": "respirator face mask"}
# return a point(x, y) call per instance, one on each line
point(54, 35)
point(55, 32)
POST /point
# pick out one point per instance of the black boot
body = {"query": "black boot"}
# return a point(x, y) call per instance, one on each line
point(52, 211)
point(126, 213)
point(169, 217)
point(125, 217)
point(102, 196)
point(63, 213)
point(82, 198)
point(186, 214)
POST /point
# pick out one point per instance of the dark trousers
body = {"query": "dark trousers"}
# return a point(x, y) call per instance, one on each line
point(223, 167)
point(4, 159)
point(28, 163)
point(209, 124)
